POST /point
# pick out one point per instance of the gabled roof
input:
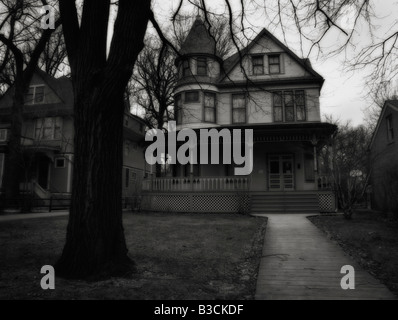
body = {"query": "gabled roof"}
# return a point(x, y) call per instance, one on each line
point(393, 104)
point(198, 41)
point(62, 87)
point(232, 61)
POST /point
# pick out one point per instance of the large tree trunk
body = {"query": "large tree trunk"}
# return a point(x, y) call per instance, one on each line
point(95, 243)
point(14, 162)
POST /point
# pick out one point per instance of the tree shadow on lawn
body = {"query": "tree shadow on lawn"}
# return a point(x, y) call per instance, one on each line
point(178, 256)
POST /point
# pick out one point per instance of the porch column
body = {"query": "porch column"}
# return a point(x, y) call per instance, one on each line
point(314, 142)
point(151, 175)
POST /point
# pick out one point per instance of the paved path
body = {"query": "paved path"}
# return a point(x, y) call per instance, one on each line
point(24, 216)
point(300, 262)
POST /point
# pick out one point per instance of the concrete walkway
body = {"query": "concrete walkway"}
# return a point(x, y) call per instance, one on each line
point(24, 216)
point(300, 263)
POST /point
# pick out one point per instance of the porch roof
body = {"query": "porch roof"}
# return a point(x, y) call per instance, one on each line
point(302, 131)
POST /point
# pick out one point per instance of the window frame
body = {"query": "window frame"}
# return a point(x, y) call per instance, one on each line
point(253, 57)
point(244, 108)
point(191, 101)
point(390, 128)
point(127, 178)
point(294, 94)
point(5, 135)
point(203, 60)
point(178, 108)
point(53, 128)
point(186, 68)
point(34, 95)
point(274, 55)
point(214, 108)
point(275, 93)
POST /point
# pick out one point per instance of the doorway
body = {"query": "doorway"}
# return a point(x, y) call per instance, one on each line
point(281, 173)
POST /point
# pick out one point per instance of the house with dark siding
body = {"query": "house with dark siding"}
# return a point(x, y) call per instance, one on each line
point(47, 139)
point(384, 159)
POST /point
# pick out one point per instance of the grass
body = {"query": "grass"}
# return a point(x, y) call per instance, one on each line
point(370, 238)
point(178, 256)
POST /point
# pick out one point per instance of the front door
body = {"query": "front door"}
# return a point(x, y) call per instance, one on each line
point(281, 173)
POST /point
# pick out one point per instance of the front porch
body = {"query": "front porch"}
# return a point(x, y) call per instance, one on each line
point(285, 178)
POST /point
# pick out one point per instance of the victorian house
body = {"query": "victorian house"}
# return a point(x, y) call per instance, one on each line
point(264, 87)
point(47, 140)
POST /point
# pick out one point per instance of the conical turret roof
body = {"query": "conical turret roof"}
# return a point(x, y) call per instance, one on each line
point(199, 41)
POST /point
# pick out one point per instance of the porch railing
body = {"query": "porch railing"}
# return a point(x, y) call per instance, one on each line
point(232, 183)
point(324, 182)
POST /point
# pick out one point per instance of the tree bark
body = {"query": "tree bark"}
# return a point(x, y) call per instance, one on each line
point(95, 243)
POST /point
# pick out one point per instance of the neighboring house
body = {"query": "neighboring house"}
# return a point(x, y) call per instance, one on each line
point(266, 88)
point(384, 159)
point(47, 139)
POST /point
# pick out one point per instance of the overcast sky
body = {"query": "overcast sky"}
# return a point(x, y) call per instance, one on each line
point(344, 94)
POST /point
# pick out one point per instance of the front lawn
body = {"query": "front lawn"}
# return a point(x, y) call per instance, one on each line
point(178, 256)
point(370, 239)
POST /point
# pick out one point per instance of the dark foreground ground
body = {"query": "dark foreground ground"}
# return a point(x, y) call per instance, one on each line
point(370, 238)
point(178, 256)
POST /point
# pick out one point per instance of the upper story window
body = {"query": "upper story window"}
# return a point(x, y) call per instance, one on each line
point(3, 135)
point(390, 128)
point(48, 128)
point(289, 106)
point(210, 107)
point(201, 67)
point(274, 63)
point(192, 96)
point(185, 68)
point(258, 64)
point(178, 108)
point(238, 108)
point(35, 95)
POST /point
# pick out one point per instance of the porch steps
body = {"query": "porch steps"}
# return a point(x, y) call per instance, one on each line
point(285, 203)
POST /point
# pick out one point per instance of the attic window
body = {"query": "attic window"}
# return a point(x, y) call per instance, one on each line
point(390, 128)
point(201, 67)
point(35, 95)
point(258, 64)
point(274, 63)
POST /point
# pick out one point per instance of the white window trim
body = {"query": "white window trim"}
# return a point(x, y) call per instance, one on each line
point(34, 94)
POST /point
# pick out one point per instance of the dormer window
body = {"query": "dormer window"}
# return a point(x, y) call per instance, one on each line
point(35, 95)
point(201, 67)
point(274, 63)
point(258, 64)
